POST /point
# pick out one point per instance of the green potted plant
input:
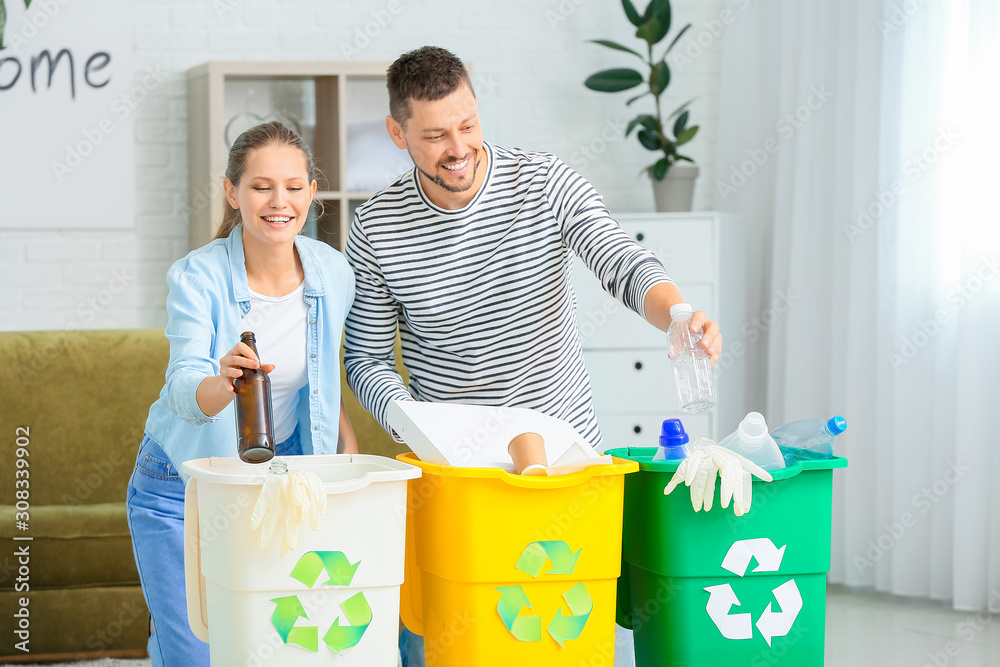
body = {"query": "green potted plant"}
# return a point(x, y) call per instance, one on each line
point(3, 18)
point(673, 183)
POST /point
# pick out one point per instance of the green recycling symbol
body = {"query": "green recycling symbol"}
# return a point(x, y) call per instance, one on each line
point(356, 608)
point(562, 628)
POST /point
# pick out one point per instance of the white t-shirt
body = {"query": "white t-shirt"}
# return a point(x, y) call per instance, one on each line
point(279, 325)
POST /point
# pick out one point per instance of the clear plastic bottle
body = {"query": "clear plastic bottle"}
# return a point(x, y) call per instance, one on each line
point(808, 438)
point(750, 439)
point(690, 361)
point(673, 442)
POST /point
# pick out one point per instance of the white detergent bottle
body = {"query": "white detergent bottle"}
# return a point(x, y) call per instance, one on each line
point(752, 441)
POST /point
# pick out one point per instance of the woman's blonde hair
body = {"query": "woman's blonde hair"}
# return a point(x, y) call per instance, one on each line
point(260, 136)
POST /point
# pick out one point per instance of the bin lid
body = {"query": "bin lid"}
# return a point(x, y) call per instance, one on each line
point(619, 466)
point(340, 473)
point(644, 457)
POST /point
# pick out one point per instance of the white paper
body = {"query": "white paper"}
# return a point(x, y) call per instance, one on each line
point(475, 436)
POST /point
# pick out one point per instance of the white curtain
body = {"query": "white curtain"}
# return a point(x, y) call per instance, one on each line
point(860, 143)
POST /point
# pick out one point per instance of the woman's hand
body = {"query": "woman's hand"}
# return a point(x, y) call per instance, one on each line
point(216, 391)
point(232, 364)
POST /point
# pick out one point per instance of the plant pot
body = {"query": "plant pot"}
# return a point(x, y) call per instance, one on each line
point(676, 191)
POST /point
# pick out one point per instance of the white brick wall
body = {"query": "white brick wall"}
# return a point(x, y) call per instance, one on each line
point(532, 52)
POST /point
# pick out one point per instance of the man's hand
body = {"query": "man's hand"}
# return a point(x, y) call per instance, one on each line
point(656, 307)
point(711, 339)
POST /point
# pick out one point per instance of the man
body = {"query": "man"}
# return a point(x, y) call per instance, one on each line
point(469, 254)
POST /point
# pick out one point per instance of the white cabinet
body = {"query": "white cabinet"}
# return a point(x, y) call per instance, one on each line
point(627, 357)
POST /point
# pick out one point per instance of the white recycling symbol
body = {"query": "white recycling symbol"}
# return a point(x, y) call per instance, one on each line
point(722, 598)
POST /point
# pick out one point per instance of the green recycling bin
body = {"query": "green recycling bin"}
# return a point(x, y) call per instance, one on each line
point(714, 588)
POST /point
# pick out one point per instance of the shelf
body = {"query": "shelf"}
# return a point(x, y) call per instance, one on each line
point(319, 100)
point(337, 194)
point(291, 69)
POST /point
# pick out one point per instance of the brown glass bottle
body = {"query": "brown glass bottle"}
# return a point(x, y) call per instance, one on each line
point(254, 425)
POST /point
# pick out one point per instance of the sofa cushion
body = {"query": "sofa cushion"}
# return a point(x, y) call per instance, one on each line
point(108, 620)
point(82, 397)
point(71, 546)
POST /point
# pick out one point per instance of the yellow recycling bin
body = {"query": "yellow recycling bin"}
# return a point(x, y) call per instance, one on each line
point(503, 568)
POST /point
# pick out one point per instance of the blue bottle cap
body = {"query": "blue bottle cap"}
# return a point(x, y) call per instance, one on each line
point(672, 433)
point(837, 425)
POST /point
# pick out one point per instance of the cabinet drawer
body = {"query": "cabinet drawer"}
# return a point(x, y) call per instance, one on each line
point(603, 322)
point(632, 381)
point(643, 429)
point(686, 248)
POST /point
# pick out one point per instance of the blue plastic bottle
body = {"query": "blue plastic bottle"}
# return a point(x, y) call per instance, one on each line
point(808, 438)
point(673, 442)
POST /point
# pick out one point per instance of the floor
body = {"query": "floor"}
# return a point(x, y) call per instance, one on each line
point(865, 629)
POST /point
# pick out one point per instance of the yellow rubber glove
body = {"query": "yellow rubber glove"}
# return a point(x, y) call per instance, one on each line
point(318, 498)
point(306, 502)
point(268, 509)
point(287, 501)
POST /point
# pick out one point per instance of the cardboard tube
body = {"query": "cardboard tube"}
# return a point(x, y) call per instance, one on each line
point(527, 451)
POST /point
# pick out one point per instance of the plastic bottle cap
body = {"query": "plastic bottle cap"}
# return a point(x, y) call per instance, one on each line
point(672, 433)
point(753, 429)
point(680, 311)
point(837, 425)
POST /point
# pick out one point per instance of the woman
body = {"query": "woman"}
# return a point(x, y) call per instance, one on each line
point(293, 292)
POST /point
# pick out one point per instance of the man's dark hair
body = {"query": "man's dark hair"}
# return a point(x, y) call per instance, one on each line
point(425, 74)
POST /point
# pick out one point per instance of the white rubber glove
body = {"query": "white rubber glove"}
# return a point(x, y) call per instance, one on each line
point(694, 471)
point(699, 470)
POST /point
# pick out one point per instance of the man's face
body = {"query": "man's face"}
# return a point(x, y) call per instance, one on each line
point(445, 142)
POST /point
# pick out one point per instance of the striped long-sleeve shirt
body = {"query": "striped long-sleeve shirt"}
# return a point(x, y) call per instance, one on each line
point(482, 295)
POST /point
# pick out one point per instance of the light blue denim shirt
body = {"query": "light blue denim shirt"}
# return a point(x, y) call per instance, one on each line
point(207, 300)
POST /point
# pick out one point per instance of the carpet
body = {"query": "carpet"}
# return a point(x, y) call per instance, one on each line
point(103, 662)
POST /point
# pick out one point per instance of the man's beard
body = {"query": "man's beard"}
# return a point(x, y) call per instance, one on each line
point(454, 188)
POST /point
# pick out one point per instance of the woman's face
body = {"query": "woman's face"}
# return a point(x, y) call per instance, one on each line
point(274, 194)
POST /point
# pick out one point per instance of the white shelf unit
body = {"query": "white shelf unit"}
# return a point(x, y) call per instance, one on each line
point(633, 384)
point(318, 99)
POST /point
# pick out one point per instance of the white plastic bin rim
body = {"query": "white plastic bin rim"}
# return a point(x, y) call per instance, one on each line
point(340, 473)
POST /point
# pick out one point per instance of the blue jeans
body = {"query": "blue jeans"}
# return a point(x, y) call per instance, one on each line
point(411, 649)
point(155, 505)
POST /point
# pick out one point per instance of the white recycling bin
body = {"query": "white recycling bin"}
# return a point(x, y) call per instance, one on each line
point(332, 600)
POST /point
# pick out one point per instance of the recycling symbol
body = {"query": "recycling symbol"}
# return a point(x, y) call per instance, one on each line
point(339, 637)
point(722, 598)
point(562, 628)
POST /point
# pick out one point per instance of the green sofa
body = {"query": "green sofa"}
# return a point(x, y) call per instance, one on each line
point(79, 400)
